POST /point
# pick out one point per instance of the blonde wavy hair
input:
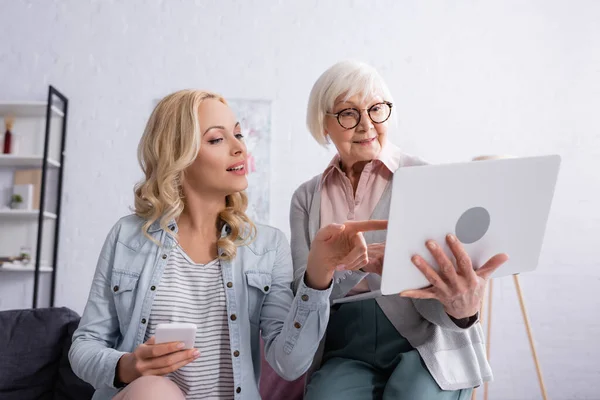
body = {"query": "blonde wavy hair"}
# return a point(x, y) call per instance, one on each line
point(169, 145)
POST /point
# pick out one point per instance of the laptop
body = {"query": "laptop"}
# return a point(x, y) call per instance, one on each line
point(492, 206)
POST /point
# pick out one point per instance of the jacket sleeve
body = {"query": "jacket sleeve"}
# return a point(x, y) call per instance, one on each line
point(343, 281)
point(92, 354)
point(292, 326)
point(433, 311)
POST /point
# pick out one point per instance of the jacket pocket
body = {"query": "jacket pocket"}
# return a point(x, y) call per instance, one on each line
point(259, 285)
point(124, 285)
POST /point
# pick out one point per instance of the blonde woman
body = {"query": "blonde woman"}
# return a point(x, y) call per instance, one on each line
point(191, 254)
point(425, 344)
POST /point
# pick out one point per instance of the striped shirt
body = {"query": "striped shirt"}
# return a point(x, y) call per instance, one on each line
point(194, 293)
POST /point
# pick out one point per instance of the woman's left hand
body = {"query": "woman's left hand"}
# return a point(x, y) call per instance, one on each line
point(460, 289)
point(376, 251)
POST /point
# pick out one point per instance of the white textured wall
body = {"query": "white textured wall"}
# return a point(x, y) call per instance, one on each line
point(519, 77)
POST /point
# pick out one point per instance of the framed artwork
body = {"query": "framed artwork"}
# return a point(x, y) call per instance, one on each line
point(255, 120)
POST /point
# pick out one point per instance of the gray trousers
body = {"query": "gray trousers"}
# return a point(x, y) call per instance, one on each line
point(366, 358)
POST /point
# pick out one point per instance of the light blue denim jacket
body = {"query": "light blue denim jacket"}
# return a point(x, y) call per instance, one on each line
point(260, 297)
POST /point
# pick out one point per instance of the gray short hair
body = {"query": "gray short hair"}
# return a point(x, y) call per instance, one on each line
point(347, 78)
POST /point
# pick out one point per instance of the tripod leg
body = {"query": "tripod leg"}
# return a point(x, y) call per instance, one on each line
point(530, 336)
point(489, 334)
point(481, 314)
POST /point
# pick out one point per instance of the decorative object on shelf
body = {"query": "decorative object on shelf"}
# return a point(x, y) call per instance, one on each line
point(30, 177)
point(16, 201)
point(9, 137)
point(6, 260)
point(25, 194)
point(22, 259)
point(25, 255)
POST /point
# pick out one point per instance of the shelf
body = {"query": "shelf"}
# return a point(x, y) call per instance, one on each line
point(21, 268)
point(47, 119)
point(11, 160)
point(29, 214)
point(27, 109)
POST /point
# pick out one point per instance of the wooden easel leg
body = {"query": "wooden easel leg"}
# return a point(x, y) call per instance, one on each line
point(530, 336)
point(481, 314)
point(488, 334)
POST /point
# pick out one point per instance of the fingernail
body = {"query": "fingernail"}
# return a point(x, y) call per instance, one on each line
point(431, 244)
point(341, 267)
point(180, 345)
point(416, 260)
point(196, 353)
point(451, 238)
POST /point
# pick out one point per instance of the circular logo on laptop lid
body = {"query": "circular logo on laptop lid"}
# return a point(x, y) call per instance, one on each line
point(472, 225)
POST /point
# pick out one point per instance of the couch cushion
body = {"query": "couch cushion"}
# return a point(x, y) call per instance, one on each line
point(68, 385)
point(31, 344)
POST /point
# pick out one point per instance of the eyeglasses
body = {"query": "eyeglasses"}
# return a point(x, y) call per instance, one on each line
point(349, 118)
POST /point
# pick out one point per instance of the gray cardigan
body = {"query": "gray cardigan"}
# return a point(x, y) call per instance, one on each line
point(453, 351)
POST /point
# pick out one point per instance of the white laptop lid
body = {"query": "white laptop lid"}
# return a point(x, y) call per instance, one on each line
point(493, 206)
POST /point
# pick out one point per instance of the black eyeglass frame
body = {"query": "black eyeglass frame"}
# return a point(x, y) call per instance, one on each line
point(359, 111)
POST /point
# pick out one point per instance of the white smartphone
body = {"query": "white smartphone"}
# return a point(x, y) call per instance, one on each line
point(176, 332)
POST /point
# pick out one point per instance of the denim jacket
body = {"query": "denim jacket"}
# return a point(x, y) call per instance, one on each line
point(259, 301)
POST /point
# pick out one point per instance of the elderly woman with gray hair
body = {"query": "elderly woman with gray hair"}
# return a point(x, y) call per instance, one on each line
point(422, 344)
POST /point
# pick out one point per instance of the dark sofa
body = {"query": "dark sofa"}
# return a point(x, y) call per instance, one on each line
point(34, 364)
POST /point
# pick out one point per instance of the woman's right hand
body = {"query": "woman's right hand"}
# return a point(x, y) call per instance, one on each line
point(338, 247)
point(154, 359)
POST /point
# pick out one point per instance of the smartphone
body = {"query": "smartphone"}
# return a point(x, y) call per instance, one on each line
point(176, 332)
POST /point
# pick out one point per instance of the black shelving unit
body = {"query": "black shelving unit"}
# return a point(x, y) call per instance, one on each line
point(56, 106)
point(53, 94)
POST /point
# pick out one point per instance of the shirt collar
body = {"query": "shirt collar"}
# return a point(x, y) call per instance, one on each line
point(172, 225)
point(389, 156)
